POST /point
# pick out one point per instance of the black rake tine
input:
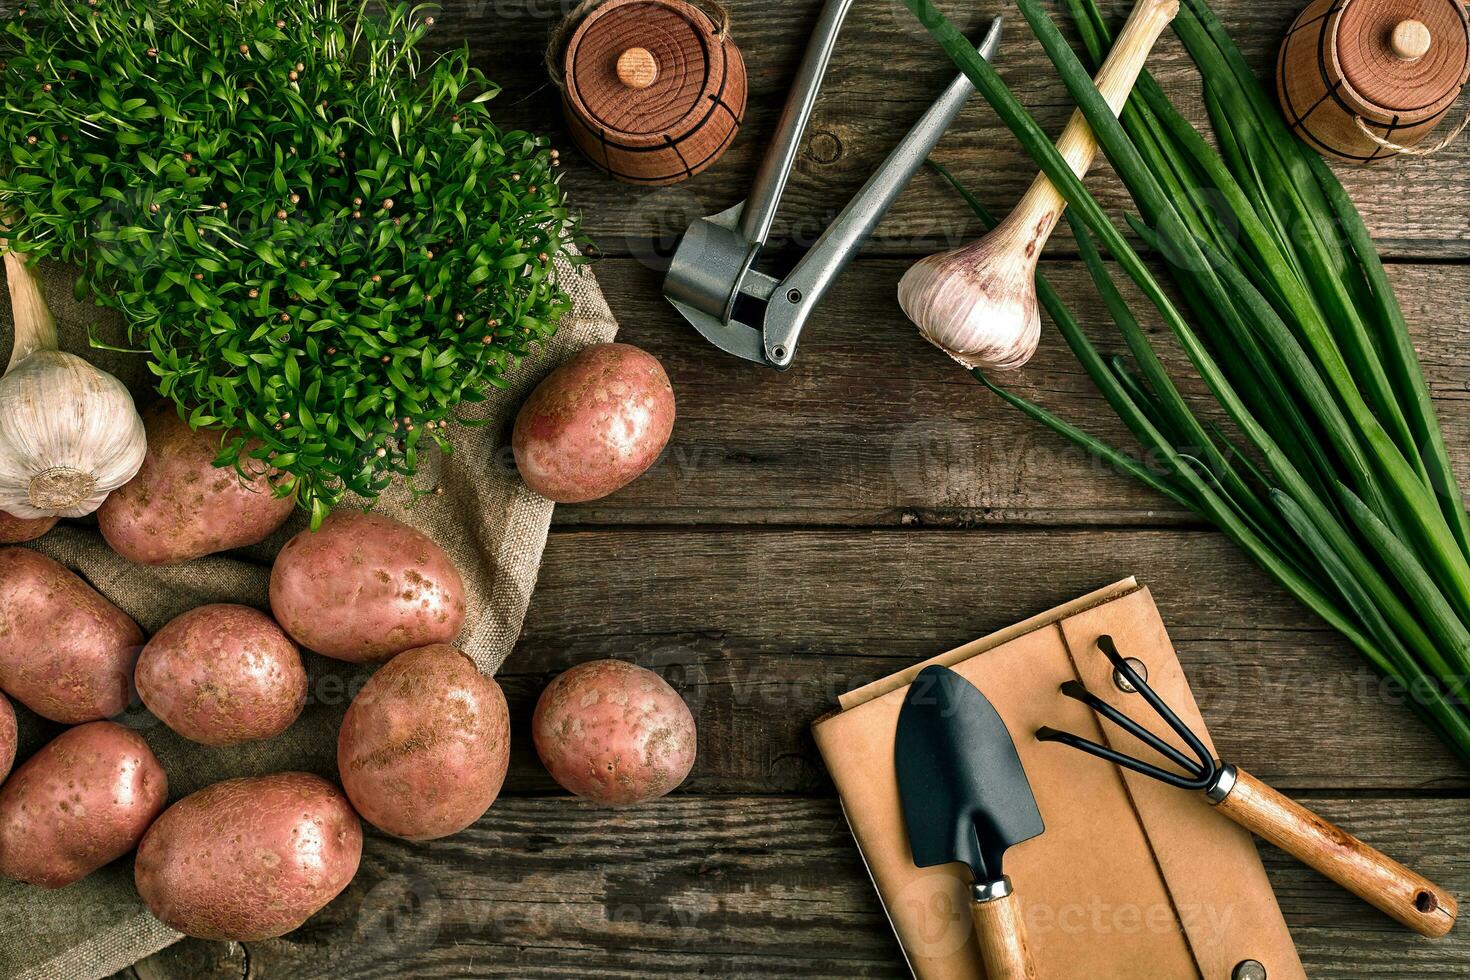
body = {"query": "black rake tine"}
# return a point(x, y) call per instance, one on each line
point(1045, 734)
point(1077, 692)
point(1120, 663)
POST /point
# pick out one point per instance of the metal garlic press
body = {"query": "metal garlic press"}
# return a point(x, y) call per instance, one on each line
point(713, 280)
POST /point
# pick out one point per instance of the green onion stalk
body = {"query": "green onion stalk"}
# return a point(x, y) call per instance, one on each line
point(1332, 473)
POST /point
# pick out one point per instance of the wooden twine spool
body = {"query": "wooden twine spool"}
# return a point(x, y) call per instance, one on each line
point(1364, 80)
point(654, 90)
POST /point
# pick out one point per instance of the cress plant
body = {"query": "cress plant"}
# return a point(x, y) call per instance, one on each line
point(315, 232)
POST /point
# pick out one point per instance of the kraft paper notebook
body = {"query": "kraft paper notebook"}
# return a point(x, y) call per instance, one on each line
point(1132, 880)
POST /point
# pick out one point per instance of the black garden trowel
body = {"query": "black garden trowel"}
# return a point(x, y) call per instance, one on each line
point(966, 800)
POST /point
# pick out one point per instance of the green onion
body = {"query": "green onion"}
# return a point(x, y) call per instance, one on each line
point(1334, 474)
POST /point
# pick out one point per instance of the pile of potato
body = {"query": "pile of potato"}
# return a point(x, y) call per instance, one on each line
point(424, 746)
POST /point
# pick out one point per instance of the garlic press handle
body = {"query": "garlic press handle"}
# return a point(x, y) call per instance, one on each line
point(775, 169)
point(799, 293)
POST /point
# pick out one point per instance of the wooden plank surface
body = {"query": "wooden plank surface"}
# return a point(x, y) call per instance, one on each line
point(763, 629)
point(874, 426)
point(729, 887)
point(883, 74)
point(811, 531)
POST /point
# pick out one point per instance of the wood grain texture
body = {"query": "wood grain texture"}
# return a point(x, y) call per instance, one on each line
point(654, 90)
point(884, 74)
point(637, 68)
point(1411, 39)
point(874, 426)
point(730, 888)
point(195, 958)
point(1001, 933)
point(1404, 895)
point(761, 630)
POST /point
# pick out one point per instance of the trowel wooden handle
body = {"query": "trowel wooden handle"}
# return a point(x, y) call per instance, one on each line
point(1002, 936)
point(1039, 210)
point(1376, 878)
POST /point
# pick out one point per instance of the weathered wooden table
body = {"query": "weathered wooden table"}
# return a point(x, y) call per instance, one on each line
point(809, 531)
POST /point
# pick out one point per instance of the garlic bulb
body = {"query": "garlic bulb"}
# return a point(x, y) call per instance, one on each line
point(69, 433)
point(977, 304)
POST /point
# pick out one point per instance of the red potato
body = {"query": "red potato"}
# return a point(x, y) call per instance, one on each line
point(364, 587)
point(65, 651)
point(595, 424)
point(180, 505)
point(425, 744)
point(9, 737)
point(223, 674)
point(19, 530)
point(249, 858)
point(83, 801)
point(614, 732)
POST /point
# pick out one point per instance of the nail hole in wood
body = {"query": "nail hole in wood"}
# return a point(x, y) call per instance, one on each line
point(1425, 902)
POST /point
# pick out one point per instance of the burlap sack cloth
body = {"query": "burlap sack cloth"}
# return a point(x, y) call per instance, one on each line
point(488, 522)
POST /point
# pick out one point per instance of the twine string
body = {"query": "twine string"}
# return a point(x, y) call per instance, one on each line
point(1415, 151)
point(562, 32)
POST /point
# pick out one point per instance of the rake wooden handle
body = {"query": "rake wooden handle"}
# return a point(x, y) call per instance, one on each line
point(1374, 877)
point(1039, 210)
point(1002, 938)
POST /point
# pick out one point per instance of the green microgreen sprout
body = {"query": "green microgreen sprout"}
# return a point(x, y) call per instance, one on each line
point(317, 234)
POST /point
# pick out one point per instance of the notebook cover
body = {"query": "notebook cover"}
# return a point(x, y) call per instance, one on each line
point(1132, 880)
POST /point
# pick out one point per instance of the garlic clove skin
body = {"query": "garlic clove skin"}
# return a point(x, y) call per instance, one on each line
point(69, 436)
point(978, 307)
